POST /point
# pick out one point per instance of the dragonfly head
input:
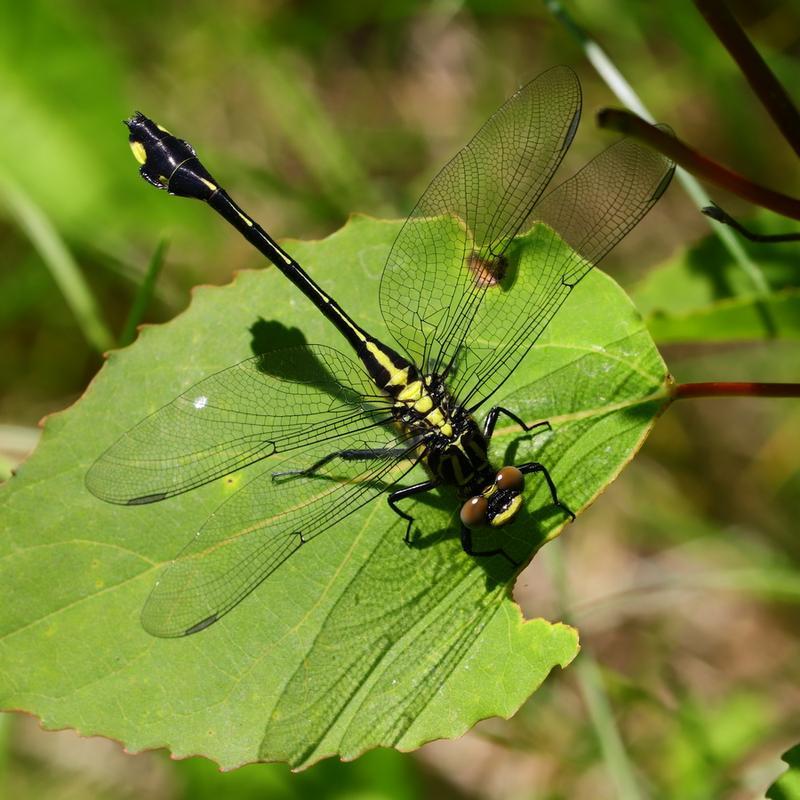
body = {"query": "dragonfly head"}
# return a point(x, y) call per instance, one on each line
point(167, 162)
point(498, 504)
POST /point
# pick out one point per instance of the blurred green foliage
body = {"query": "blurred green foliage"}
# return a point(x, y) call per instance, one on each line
point(787, 787)
point(313, 110)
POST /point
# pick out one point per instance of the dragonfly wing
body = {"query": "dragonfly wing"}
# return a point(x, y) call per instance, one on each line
point(568, 232)
point(250, 535)
point(268, 404)
point(474, 207)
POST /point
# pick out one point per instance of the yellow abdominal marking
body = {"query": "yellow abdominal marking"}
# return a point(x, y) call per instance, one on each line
point(413, 393)
point(137, 148)
point(347, 321)
point(506, 516)
point(214, 189)
point(247, 220)
point(397, 377)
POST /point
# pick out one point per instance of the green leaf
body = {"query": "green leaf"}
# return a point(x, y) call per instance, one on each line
point(787, 787)
point(357, 641)
point(702, 295)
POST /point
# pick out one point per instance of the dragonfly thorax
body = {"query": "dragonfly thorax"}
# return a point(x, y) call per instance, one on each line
point(424, 407)
point(456, 452)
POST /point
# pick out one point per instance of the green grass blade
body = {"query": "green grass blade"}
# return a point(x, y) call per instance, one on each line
point(590, 683)
point(144, 293)
point(313, 137)
point(59, 260)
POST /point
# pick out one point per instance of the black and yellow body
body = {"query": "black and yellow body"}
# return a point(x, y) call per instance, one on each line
point(485, 260)
point(449, 442)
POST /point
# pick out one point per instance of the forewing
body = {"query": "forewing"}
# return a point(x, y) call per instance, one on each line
point(268, 404)
point(249, 536)
point(568, 232)
point(476, 204)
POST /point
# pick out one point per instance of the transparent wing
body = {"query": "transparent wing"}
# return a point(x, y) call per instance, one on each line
point(249, 536)
point(273, 403)
point(469, 213)
point(567, 233)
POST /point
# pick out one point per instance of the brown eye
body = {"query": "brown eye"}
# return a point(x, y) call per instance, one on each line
point(473, 512)
point(510, 478)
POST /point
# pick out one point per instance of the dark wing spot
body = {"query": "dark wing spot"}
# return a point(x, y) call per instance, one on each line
point(202, 625)
point(147, 498)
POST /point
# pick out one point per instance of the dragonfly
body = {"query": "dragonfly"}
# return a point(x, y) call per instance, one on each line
point(464, 304)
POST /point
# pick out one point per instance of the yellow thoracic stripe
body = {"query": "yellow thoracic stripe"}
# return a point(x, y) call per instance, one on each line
point(436, 417)
point(411, 393)
point(424, 404)
point(437, 420)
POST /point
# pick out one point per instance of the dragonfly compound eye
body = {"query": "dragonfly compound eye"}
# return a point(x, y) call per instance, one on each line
point(473, 512)
point(510, 479)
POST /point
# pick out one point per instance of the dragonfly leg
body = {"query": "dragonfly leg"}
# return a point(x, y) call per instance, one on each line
point(534, 466)
point(494, 413)
point(402, 494)
point(345, 455)
point(466, 544)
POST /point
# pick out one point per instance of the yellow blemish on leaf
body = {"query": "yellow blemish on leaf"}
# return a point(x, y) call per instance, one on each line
point(231, 483)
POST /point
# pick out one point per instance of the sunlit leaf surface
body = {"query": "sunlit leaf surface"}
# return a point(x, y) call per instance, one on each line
point(357, 641)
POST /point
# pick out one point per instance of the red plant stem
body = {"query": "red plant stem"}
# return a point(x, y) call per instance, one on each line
point(760, 77)
point(696, 163)
point(683, 391)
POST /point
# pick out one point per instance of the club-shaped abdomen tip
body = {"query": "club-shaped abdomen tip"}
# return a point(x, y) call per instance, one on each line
point(166, 161)
point(136, 145)
point(146, 142)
